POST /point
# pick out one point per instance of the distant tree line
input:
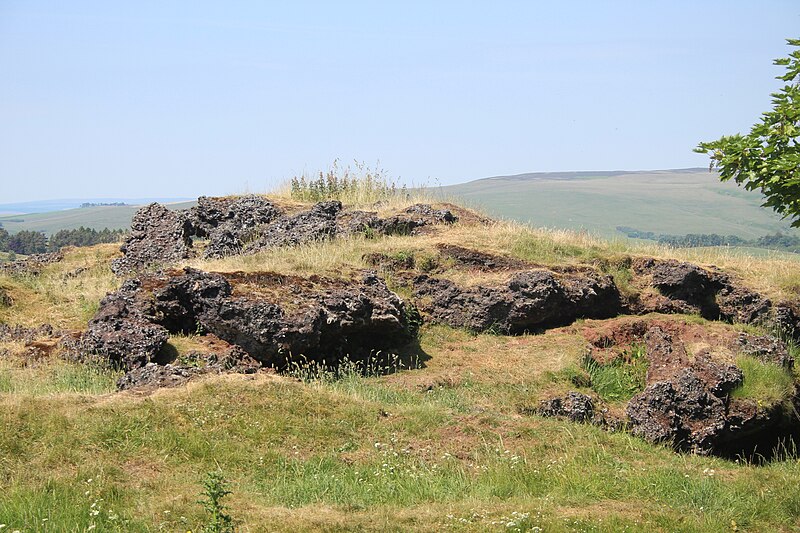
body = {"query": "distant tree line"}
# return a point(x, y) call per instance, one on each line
point(28, 242)
point(102, 204)
point(777, 241)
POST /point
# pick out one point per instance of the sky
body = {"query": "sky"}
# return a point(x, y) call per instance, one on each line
point(178, 99)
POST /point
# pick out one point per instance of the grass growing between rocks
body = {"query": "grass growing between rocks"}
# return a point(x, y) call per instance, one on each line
point(620, 379)
point(442, 447)
point(767, 383)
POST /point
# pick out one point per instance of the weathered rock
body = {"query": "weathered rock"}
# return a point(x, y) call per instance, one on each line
point(121, 331)
point(158, 236)
point(229, 222)
point(275, 319)
point(767, 348)
point(741, 305)
point(414, 217)
point(249, 224)
point(153, 376)
point(531, 300)
point(573, 406)
point(786, 317)
point(480, 260)
point(31, 265)
point(355, 221)
point(317, 224)
point(26, 335)
point(694, 287)
point(683, 411)
point(686, 399)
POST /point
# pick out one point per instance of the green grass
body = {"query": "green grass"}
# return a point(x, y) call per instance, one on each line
point(767, 383)
point(340, 456)
point(620, 379)
point(111, 217)
point(56, 377)
point(670, 202)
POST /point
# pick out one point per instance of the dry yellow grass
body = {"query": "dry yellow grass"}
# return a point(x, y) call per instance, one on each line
point(65, 294)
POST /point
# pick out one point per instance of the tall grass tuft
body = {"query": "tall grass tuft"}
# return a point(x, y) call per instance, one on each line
point(360, 185)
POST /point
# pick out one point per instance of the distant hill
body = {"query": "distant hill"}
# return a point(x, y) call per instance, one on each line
point(677, 202)
point(99, 217)
point(44, 206)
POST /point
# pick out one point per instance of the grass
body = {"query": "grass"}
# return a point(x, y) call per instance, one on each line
point(672, 202)
point(443, 444)
point(308, 455)
point(620, 379)
point(56, 378)
point(767, 383)
point(66, 294)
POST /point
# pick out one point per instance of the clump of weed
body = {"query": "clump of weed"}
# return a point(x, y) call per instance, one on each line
point(621, 378)
point(214, 490)
point(377, 364)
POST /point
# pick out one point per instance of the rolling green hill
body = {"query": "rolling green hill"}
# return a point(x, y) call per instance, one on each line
point(663, 201)
point(673, 202)
point(111, 217)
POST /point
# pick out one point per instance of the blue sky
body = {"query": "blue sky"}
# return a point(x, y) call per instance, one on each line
point(131, 99)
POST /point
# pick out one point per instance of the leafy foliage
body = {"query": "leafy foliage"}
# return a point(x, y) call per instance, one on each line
point(27, 242)
point(34, 242)
point(82, 237)
point(768, 158)
point(776, 241)
point(214, 490)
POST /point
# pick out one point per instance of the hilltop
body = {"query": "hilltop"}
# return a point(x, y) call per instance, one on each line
point(664, 202)
point(677, 202)
point(399, 364)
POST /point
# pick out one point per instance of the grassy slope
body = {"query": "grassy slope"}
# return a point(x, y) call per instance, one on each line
point(111, 217)
point(447, 446)
point(670, 202)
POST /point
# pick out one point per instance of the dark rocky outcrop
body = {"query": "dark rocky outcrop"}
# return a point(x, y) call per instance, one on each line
point(273, 318)
point(122, 332)
point(250, 224)
point(480, 260)
point(573, 406)
point(767, 348)
point(26, 335)
point(317, 224)
point(157, 236)
point(32, 265)
point(414, 217)
point(5, 298)
point(687, 396)
point(228, 223)
point(707, 292)
point(531, 300)
point(153, 375)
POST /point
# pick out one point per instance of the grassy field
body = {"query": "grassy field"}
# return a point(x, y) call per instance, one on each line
point(668, 201)
point(448, 446)
point(111, 217)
